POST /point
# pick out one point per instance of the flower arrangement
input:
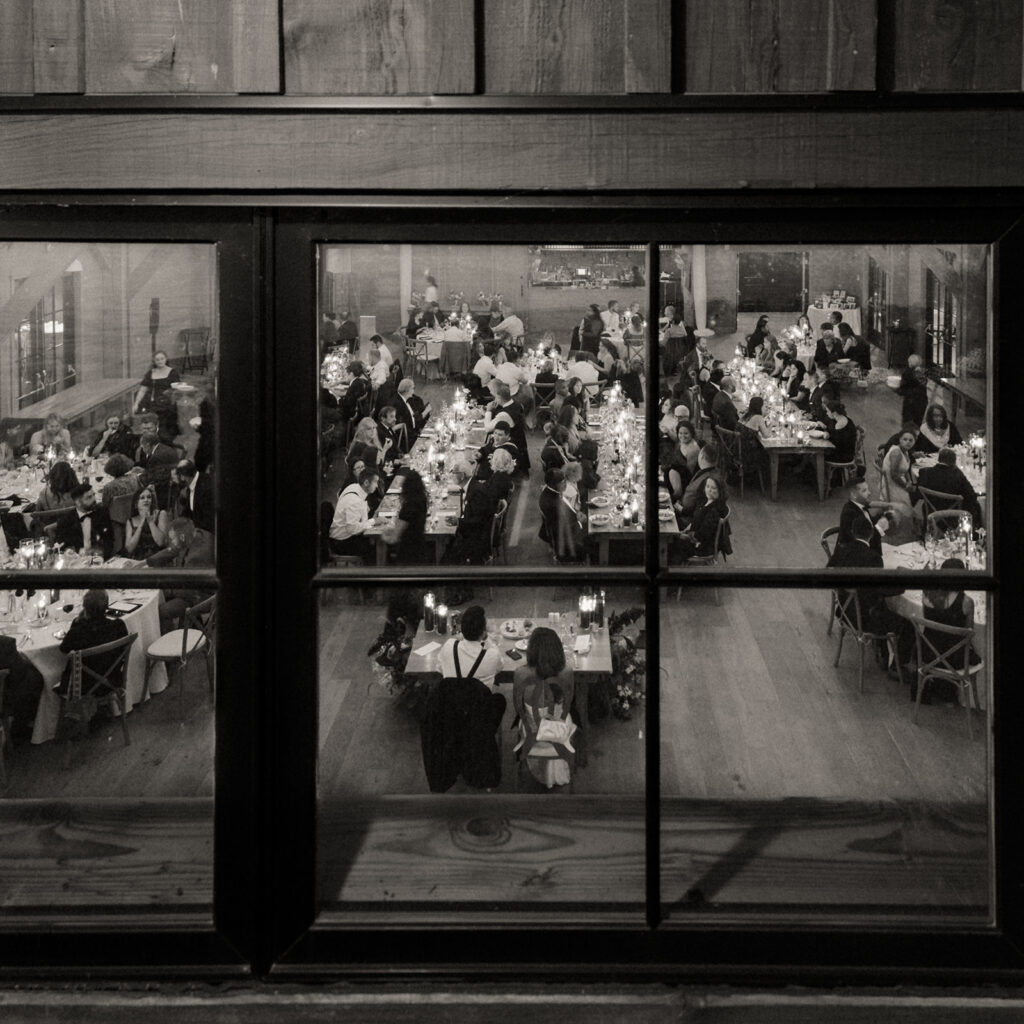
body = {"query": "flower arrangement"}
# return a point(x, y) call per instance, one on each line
point(628, 664)
point(456, 299)
point(389, 654)
point(417, 300)
point(486, 300)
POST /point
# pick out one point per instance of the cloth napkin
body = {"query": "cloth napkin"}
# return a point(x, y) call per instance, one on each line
point(428, 648)
point(582, 644)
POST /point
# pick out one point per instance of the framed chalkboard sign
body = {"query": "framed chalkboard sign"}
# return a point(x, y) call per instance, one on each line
point(771, 282)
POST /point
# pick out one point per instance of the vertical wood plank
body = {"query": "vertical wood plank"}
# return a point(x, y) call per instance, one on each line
point(778, 46)
point(958, 45)
point(58, 45)
point(552, 47)
point(257, 53)
point(170, 46)
point(378, 47)
point(648, 66)
point(15, 47)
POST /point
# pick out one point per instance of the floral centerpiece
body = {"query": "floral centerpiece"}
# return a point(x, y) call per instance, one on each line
point(628, 663)
point(488, 300)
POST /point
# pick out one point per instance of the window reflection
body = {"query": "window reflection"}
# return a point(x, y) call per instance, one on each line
point(486, 409)
point(790, 375)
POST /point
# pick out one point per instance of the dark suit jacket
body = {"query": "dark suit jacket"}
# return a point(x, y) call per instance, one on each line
point(84, 633)
point(569, 541)
point(157, 466)
point(850, 512)
point(202, 511)
point(951, 480)
point(198, 555)
point(474, 532)
point(724, 411)
point(69, 531)
point(518, 435)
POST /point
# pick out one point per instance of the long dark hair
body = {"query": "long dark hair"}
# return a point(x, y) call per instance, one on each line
point(62, 478)
point(755, 408)
point(412, 486)
point(545, 653)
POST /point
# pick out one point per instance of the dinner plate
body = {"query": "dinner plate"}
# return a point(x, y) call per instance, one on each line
point(38, 623)
point(521, 645)
point(844, 360)
point(600, 518)
point(665, 514)
point(183, 387)
point(600, 501)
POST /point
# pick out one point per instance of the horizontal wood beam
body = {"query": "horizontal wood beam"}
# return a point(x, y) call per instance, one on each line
point(558, 151)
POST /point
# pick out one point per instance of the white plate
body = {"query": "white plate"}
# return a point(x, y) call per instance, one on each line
point(183, 387)
point(600, 501)
point(521, 645)
point(600, 518)
point(844, 360)
point(666, 514)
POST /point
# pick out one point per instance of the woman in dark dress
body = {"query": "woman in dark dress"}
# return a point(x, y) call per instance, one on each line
point(156, 395)
point(757, 336)
point(406, 534)
point(145, 533)
point(949, 608)
point(937, 431)
point(590, 330)
point(842, 431)
point(698, 539)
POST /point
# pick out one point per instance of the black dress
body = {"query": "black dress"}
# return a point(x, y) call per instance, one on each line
point(411, 548)
point(952, 615)
point(160, 400)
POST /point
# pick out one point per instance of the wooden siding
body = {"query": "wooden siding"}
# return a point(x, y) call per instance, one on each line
point(331, 151)
point(181, 46)
point(958, 45)
point(16, 47)
point(58, 64)
point(378, 47)
point(593, 47)
point(780, 46)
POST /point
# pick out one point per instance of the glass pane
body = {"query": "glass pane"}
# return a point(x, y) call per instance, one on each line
point(108, 773)
point(439, 360)
point(109, 356)
point(793, 785)
point(427, 800)
point(804, 369)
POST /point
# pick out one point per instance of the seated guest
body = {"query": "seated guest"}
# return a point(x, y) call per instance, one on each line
point(122, 479)
point(780, 364)
point(694, 360)
point(10, 443)
point(698, 539)
point(195, 495)
point(794, 377)
point(366, 445)
point(512, 373)
point(668, 422)
point(503, 403)
point(584, 370)
point(188, 547)
point(405, 536)
point(948, 608)
point(146, 530)
point(358, 388)
point(387, 438)
point(570, 418)
point(378, 369)
point(860, 551)
point(854, 348)
point(469, 647)
point(707, 466)
point(764, 354)
point(899, 487)
point(576, 397)
point(155, 458)
point(503, 468)
point(61, 480)
point(828, 350)
point(21, 691)
point(723, 409)
point(558, 400)
point(555, 454)
point(947, 477)
point(86, 527)
point(114, 439)
point(841, 431)
point(380, 346)
point(53, 434)
point(484, 366)
point(500, 438)
point(560, 526)
point(92, 628)
point(751, 428)
point(510, 326)
point(575, 486)
point(610, 364)
point(632, 383)
point(479, 503)
point(812, 394)
point(411, 410)
point(546, 373)
point(687, 446)
point(937, 432)
point(352, 520)
point(859, 506)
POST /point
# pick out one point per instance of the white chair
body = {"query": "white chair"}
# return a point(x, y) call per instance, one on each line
point(182, 645)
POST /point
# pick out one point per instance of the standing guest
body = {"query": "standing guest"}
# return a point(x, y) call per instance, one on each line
point(146, 529)
point(695, 360)
point(348, 331)
point(590, 329)
point(914, 391)
point(723, 409)
point(543, 690)
point(351, 519)
point(85, 527)
point(329, 325)
point(632, 383)
point(188, 547)
point(946, 476)
point(610, 316)
point(205, 425)
point(560, 526)
point(378, 369)
point(674, 337)
point(429, 288)
point(61, 480)
point(114, 439)
point(22, 690)
point(156, 395)
point(195, 495)
point(758, 336)
point(469, 646)
point(122, 479)
point(92, 628)
point(380, 346)
point(155, 458)
point(53, 434)
point(406, 535)
point(936, 431)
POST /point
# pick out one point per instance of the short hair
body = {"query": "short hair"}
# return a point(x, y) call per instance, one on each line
point(947, 456)
point(553, 477)
point(835, 316)
point(188, 467)
point(149, 417)
point(55, 418)
point(356, 368)
point(717, 375)
point(376, 339)
point(545, 653)
point(681, 412)
point(913, 360)
point(502, 461)
point(502, 391)
point(502, 423)
point(728, 384)
point(94, 604)
point(79, 489)
point(474, 622)
point(406, 386)
point(385, 409)
point(834, 405)
point(573, 471)
point(117, 465)
point(826, 326)
point(365, 477)
point(710, 454)
point(183, 526)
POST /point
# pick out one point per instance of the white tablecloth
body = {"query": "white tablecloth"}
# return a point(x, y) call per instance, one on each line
point(42, 648)
point(817, 317)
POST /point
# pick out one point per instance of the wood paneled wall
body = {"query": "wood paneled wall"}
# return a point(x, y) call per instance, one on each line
point(531, 47)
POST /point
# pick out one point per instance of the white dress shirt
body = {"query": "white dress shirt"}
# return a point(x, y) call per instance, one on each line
point(350, 514)
point(469, 651)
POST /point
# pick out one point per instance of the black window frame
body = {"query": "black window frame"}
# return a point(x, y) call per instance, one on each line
point(265, 900)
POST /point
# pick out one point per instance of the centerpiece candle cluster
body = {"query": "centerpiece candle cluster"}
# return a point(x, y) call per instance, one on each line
point(333, 369)
point(39, 554)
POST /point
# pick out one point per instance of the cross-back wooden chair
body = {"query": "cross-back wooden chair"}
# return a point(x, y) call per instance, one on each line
point(826, 536)
point(952, 664)
point(851, 621)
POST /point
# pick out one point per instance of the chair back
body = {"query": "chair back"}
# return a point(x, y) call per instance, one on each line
point(594, 391)
point(826, 536)
point(945, 521)
point(120, 511)
point(543, 393)
point(86, 680)
point(202, 616)
point(883, 480)
point(939, 501)
point(953, 663)
point(498, 525)
point(46, 522)
point(731, 444)
point(858, 450)
point(848, 610)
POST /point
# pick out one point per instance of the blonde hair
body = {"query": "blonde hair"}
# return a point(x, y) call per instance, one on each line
point(502, 461)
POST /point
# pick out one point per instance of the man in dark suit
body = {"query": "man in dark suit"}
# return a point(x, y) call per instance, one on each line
point(156, 458)
point(479, 503)
point(560, 526)
point(386, 423)
point(914, 391)
point(723, 409)
point(91, 629)
point(860, 507)
point(195, 495)
point(22, 690)
point(946, 476)
point(503, 403)
point(86, 527)
point(188, 547)
point(410, 409)
point(500, 437)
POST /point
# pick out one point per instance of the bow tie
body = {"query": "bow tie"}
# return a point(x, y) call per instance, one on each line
point(84, 515)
